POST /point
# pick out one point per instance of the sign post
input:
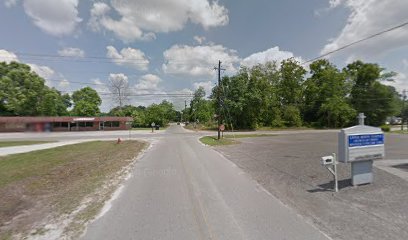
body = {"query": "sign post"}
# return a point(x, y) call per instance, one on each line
point(153, 125)
point(222, 129)
point(361, 145)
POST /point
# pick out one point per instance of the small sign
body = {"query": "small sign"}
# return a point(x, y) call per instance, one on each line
point(153, 124)
point(222, 127)
point(84, 119)
point(365, 140)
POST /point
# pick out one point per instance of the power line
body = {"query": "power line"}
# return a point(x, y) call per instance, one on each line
point(356, 42)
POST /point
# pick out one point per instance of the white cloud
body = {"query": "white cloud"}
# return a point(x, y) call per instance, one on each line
point(368, 17)
point(72, 52)
point(118, 77)
point(148, 83)
point(64, 83)
point(272, 54)
point(130, 57)
point(57, 18)
point(335, 3)
point(42, 71)
point(6, 56)
point(199, 40)
point(10, 3)
point(199, 61)
point(140, 19)
point(405, 63)
point(208, 86)
point(45, 72)
point(400, 82)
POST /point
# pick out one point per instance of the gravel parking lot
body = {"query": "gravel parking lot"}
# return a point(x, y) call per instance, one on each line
point(289, 167)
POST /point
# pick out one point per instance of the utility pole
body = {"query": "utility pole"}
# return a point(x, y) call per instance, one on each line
point(219, 98)
point(184, 113)
point(404, 97)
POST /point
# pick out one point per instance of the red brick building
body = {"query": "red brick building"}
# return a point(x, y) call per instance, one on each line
point(63, 124)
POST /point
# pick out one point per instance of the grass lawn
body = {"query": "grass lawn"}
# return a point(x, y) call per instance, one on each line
point(20, 143)
point(213, 141)
point(230, 135)
point(400, 131)
point(51, 184)
point(229, 139)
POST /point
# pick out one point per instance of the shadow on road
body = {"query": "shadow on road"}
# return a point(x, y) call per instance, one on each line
point(328, 187)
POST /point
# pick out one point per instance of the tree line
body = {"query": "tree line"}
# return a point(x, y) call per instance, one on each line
point(267, 95)
point(288, 95)
point(24, 93)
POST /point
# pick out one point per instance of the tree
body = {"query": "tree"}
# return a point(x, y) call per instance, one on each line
point(24, 93)
point(86, 102)
point(52, 103)
point(200, 108)
point(161, 114)
point(119, 87)
point(325, 94)
point(368, 94)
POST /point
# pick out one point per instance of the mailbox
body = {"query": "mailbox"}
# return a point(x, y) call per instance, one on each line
point(327, 160)
point(360, 143)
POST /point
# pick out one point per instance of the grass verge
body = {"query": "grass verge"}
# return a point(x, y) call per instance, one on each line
point(249, 135)
point(64, 183)
point(21, 143)
point(400, 131)
point(213, 141)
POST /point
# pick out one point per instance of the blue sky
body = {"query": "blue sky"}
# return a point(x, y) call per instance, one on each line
point(167, 47)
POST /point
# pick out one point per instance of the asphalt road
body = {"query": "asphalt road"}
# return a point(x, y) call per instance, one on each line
point(181, 189)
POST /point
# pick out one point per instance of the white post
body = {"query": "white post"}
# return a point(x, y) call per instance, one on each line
point(336, 184)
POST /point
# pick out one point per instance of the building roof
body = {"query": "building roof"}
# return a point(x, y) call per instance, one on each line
point(63, 119)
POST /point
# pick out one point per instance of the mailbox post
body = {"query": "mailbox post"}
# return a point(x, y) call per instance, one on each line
point(361, 145)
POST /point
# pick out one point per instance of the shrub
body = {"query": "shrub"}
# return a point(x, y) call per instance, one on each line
point(386, 128)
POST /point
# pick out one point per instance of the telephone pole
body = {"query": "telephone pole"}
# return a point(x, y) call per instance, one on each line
point(404, 97)
point(219, 98)
point(184, 113)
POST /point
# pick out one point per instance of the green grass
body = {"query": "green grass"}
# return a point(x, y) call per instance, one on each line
point(229, 139)
point(282, 128)
point(250, 135)
point(400, 131)
point(59, 179)
point(21, 143)
point(213, 141)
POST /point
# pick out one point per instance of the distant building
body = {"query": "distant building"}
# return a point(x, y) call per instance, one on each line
point(63, 124)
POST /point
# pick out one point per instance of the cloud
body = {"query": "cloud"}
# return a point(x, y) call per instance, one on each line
point(10, 3)
point(400, 82)
point(208, 86)
point(6, 56)
point(148, 83)
point(45, 72)
point(368, 17)
point(130, 57)
point(405, 63)
point(272, 54)
point(118, 77)
point(42, 71)
point(57, 18)
point(72, 52)
point(141, 19)
point(198, 61)
point(199, 40)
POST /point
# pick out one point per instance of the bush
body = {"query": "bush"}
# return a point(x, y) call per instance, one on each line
point(386, 128)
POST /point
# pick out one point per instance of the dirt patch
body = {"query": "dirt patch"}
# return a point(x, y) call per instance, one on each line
point(52, 193)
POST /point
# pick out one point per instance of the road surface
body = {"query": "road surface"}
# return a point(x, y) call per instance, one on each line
point(181, 189)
